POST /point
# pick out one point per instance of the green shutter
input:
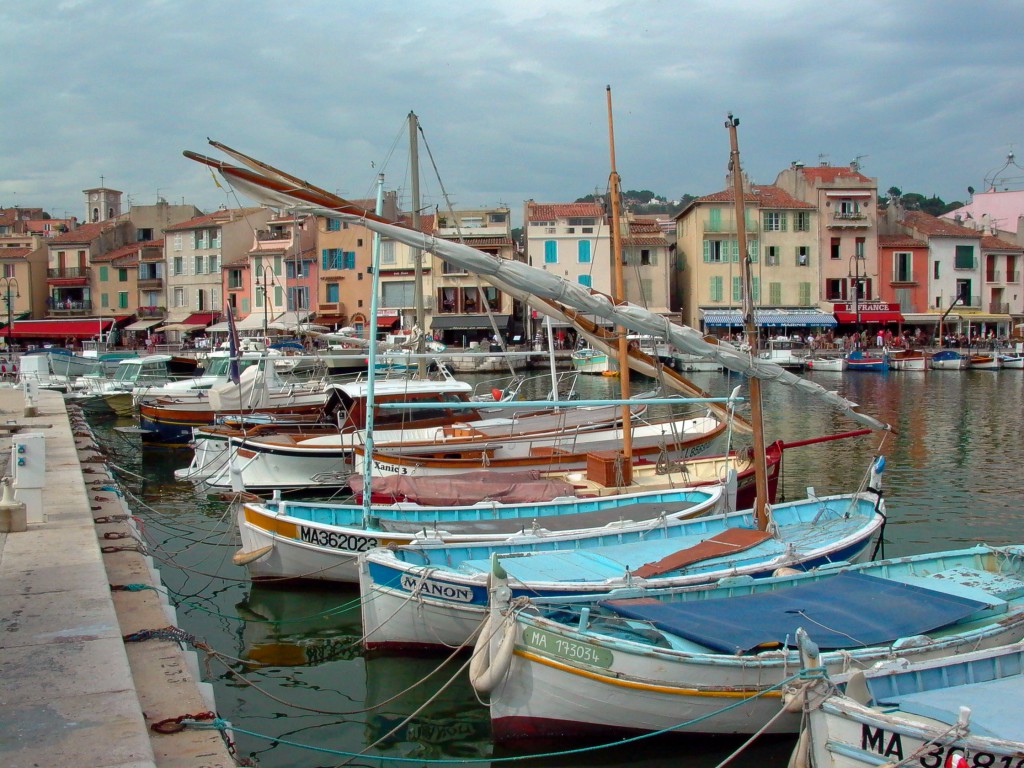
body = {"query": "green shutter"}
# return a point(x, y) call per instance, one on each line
point(707, 251)
point(805, 294)
point(737, 289)
point(103, 275)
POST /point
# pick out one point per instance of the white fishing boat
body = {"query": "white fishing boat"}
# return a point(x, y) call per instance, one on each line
point(132, 376)
point(834, 364)
point(785, 353)
point(956, 711)
point(715, 659)
point(907, 359)
point(588, 360)
point(322, 542)
point(948, 360)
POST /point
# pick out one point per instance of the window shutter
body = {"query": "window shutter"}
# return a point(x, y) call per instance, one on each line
point(707, 251)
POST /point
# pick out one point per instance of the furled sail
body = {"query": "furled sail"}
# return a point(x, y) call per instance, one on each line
point(278, 189)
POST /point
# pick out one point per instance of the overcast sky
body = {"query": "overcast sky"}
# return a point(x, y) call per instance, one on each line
point(510, 95)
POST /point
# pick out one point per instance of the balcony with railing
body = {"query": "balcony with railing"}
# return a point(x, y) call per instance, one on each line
point(68, 308)
point(151, 283)
point(69, 273)
point(999, 308)
point(844, 219)
point(151, 313)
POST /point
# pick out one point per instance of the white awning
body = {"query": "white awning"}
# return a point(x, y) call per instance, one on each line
point(142, 325)
point(251, 322)
point(290, 320)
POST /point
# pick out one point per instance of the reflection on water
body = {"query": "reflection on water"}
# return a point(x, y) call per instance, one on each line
point(296, 671)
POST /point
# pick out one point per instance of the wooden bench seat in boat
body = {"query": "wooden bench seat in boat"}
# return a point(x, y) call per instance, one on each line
point(721, 544)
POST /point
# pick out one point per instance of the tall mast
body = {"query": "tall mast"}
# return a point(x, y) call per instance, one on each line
point(750, 327)
point(371, 368)
point(619, 290)
point(417, 254)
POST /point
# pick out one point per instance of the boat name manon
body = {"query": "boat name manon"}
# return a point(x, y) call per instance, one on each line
point(890, 745)
point(437, 589)
point(343, 541)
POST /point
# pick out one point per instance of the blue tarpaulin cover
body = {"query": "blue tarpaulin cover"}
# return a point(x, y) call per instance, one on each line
point(848, 610)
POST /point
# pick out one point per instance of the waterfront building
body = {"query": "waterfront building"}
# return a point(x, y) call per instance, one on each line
point(464, 305)
point(783, 244)
point(193, 252)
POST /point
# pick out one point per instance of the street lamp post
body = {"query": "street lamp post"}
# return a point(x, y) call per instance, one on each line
point(264, 276)
point(7, 283)
point(856, 287)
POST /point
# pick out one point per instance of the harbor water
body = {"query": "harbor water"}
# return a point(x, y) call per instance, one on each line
point(287, 663)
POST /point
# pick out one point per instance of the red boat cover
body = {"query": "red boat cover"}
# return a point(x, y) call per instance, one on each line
point(464, 488)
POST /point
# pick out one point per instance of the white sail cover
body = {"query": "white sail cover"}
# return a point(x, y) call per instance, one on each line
point(276, 188)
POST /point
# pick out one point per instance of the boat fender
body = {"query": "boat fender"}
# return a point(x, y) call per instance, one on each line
point(497, 394)
point(484, 672)
point(241, 557)
point(799, 757)
point(786, 571)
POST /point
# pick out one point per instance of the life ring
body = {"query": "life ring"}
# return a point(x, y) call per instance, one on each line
point(484, 672)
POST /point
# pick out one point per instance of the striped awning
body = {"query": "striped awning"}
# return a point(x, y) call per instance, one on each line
point(769, 318)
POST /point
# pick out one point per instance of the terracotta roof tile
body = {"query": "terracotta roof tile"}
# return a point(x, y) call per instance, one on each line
point(219, 216)
point(14, 253)
point(994, 243)
point(479, 242)
point(117, 253)
point(765, 195)
point(828, 174)
point(900, 241)
point(552, 211)
point(933, 226)
point(83, 234)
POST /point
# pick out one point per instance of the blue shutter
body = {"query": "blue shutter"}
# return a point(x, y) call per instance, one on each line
point(324, 254)
point(350, 259)
point(585, 280)
point(550, 252)
point(584, 251)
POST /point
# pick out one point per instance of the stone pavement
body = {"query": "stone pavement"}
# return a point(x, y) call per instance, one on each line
point(72, 692)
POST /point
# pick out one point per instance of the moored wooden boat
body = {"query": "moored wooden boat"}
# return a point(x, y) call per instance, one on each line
point(311, 541)
point(834, 364)
point(907, 360)
point(948, 360)
point(415, 598)
point(980, 362)
point(566, 451)
point(860, 361)
point(957, 710)
point(713, 659)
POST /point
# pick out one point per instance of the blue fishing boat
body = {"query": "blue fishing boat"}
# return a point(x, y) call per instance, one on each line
point(428, 597)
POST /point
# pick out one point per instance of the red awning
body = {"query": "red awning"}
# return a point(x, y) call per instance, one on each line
point(390, 321)
point(200, 318)
point(869, 317)
point(60, 329)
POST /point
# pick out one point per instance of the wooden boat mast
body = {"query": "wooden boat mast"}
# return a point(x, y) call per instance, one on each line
point(619, 291)
point(417, 254)
point(750, 328)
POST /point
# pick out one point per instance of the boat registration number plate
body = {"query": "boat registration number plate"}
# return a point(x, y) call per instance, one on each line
point(562, 648)
point(333, 540)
